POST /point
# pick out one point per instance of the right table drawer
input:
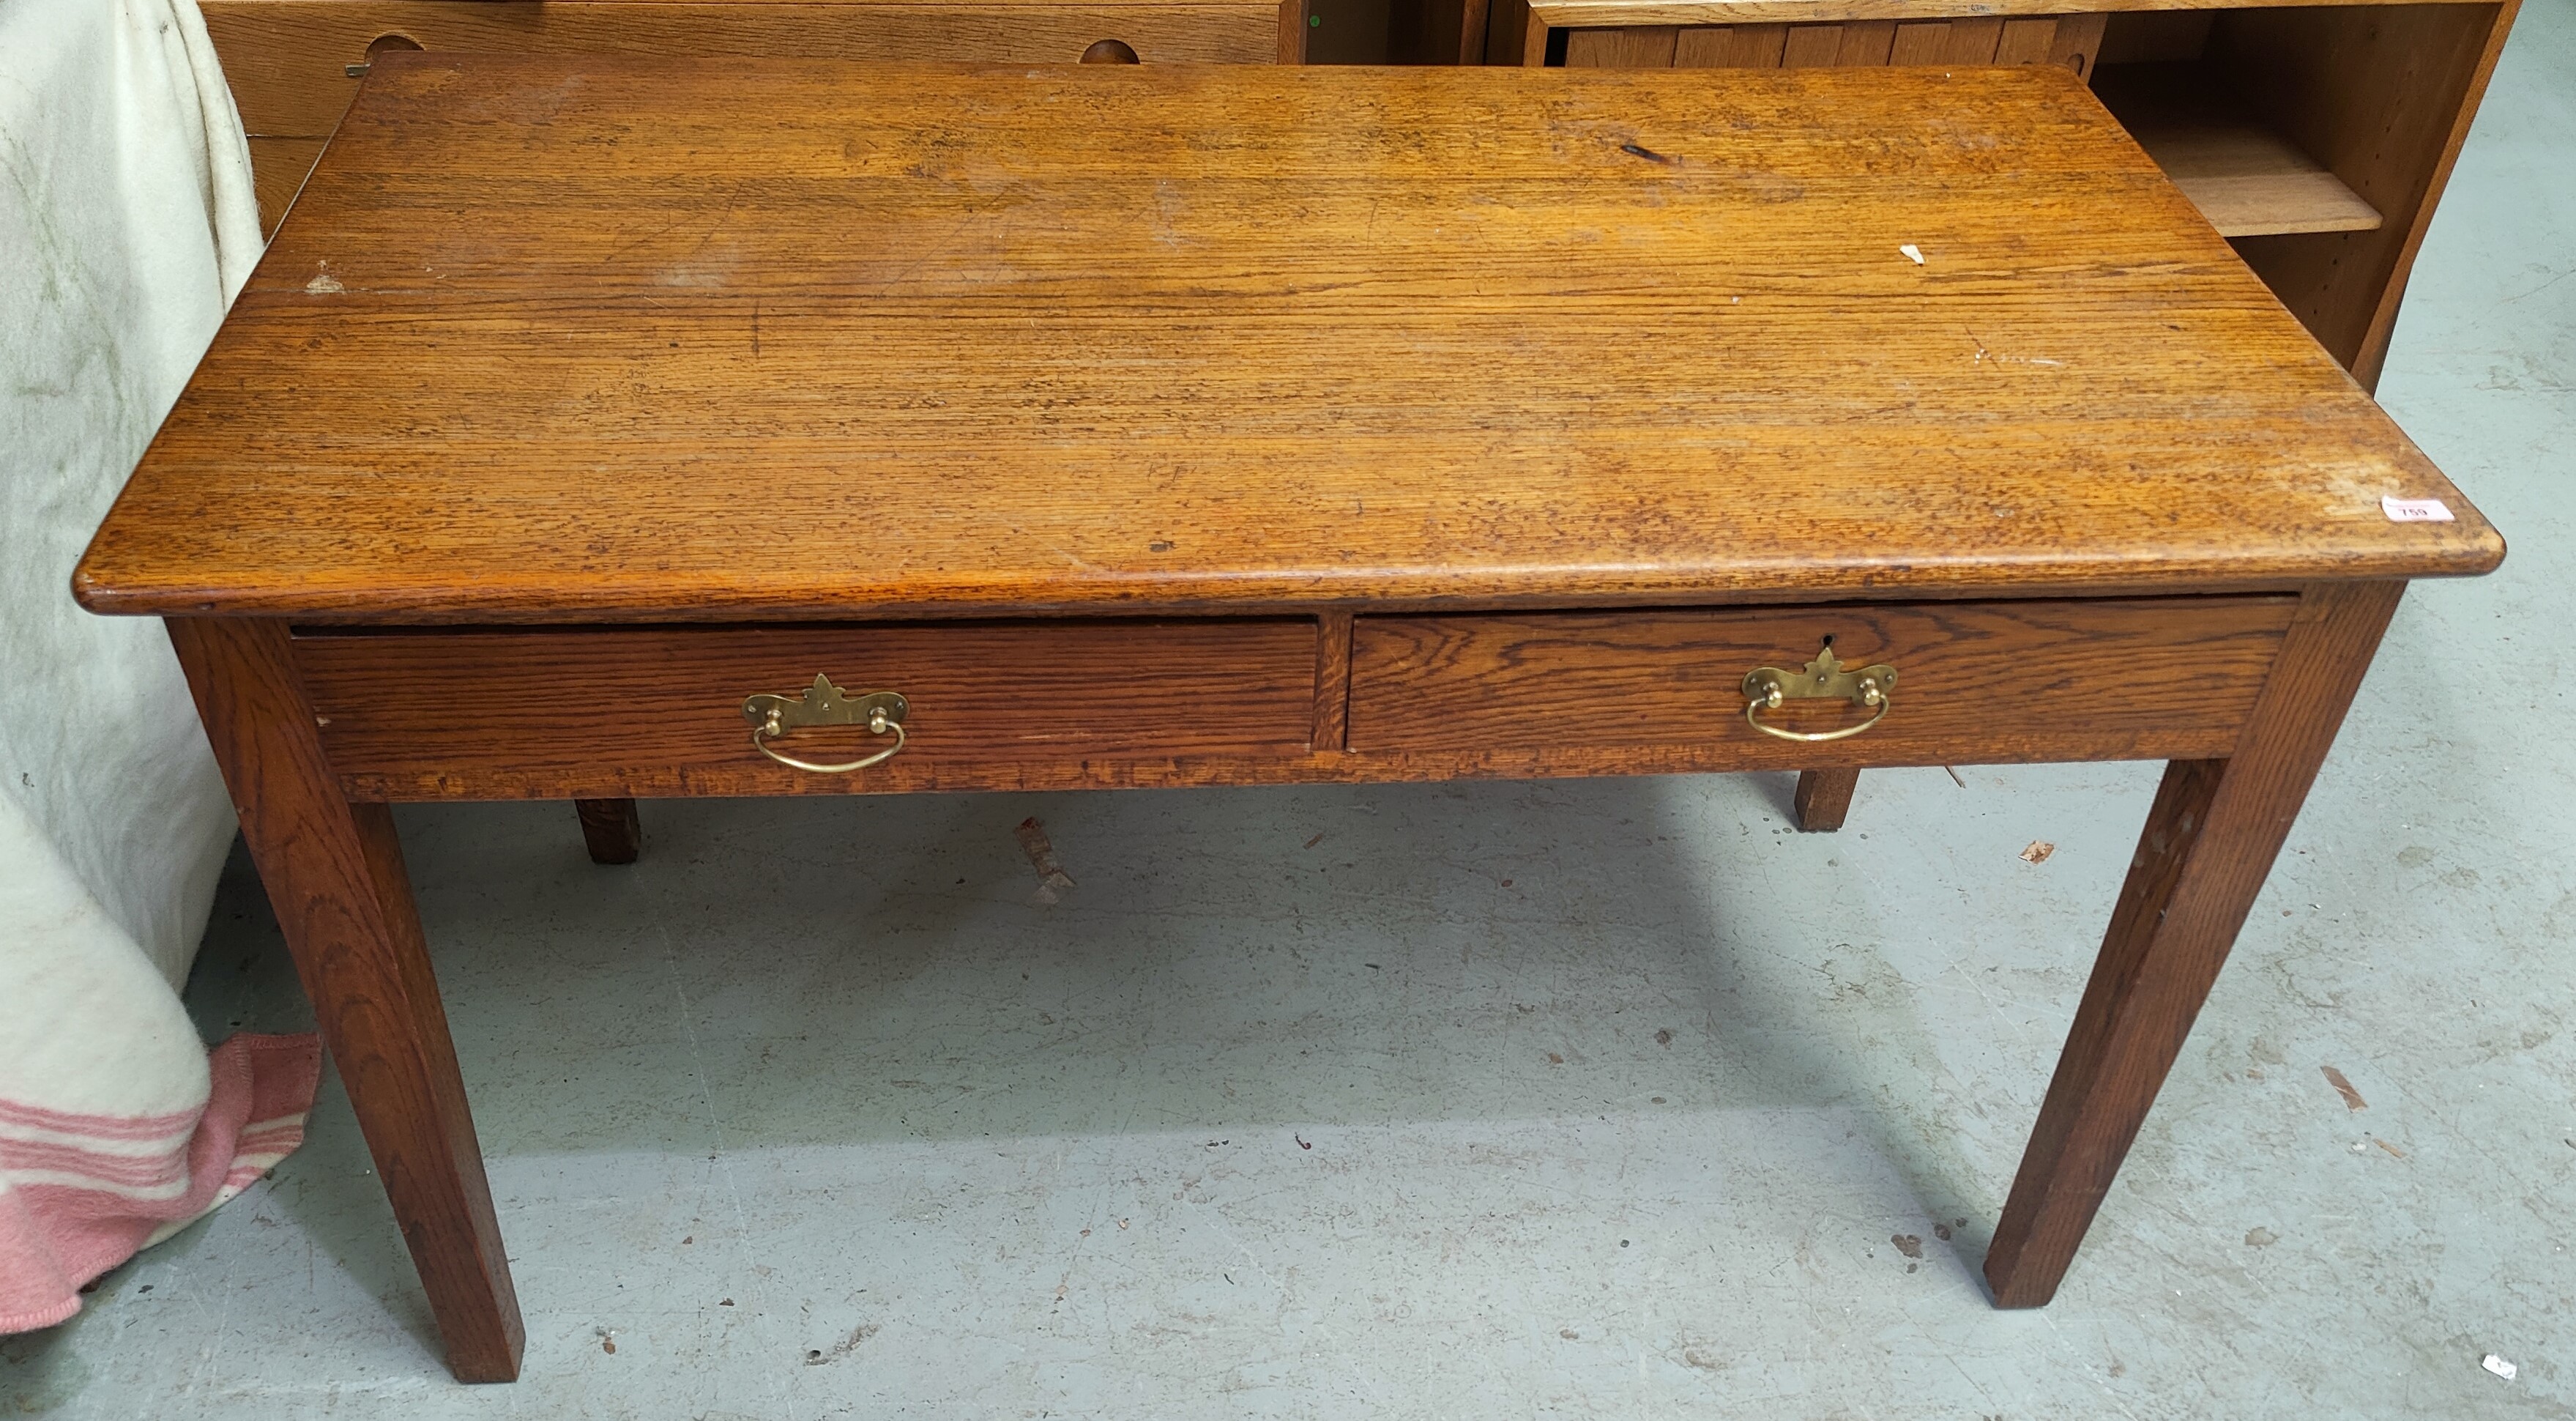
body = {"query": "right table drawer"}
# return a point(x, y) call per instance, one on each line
point(1976, 682)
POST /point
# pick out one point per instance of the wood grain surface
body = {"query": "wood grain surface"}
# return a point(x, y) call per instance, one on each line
point(1435, 31)
point(334, 873)
point(2384, 99)
point(2242, 174)
point(1855, 44)
point(277, 170)
point(1333, 680)
point(1634, 47)
point(396, 778)
point(2363, 108)
point(590, 339)
point(1727, 46)
point(2069, 40)
point(287, 60)
point(611, 829)
point(1293, 31)
point(2020, 681)
point(2209, 842)
point(1075, 704)
point(1823, 799)
point(1513, 37)
point(663, 707)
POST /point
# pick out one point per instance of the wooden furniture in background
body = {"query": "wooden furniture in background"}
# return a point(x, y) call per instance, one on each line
point(1243, 444)
point(294, 64)
point(2316, 138)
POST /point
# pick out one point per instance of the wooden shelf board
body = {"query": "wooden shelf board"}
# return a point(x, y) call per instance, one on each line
point(2248, 180)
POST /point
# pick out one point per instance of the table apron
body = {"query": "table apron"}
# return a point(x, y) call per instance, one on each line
point(552, 713)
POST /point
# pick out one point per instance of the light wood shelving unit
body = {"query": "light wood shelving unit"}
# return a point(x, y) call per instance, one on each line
point(2244, 176)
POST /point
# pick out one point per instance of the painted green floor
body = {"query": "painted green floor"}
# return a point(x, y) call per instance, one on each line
point(1590, 1099)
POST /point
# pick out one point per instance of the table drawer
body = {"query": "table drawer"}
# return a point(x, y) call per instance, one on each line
point(656, 711)
point(1981, 682)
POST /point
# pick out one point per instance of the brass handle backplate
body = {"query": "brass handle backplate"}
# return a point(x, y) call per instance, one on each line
point(1825, 679)
point(823, 703)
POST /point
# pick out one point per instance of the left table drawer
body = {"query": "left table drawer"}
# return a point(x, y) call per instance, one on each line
point(543, 713)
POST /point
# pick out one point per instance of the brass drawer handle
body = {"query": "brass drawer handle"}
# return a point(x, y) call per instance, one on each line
point(1824, 679)
point(826, 704)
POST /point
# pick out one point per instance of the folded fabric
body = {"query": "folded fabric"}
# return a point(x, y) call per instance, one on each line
point(85, 1192)
point(116, 1127)
point(127, 223)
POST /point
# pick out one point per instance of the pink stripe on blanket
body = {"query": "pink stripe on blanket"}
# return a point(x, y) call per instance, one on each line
point(54, 1237)
point(20, 1158)
point(276, 1139)
point(97, 1127)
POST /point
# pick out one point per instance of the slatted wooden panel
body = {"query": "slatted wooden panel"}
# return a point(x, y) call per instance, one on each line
point(2071, 40)
point(1630, 47)
point(1862, 44)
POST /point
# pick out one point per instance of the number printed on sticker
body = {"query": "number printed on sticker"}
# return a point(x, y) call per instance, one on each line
point(2415, 510)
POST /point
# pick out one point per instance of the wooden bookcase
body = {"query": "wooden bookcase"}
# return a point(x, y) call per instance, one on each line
point(2317, 138)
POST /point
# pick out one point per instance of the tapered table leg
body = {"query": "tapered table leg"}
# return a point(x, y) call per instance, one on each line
point(334, 872)
point(611, 829)
point(2209, 843)
point(1823, 798)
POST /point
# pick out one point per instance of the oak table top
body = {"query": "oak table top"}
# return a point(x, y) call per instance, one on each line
point(602, 339)
point(1249, 426)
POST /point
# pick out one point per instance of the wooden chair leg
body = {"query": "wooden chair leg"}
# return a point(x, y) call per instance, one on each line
point(611, 829)
point(1824, 797)
point(334, 872)
point(2209, 844)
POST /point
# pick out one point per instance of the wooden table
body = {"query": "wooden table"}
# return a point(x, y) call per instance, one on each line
point(1172, 426)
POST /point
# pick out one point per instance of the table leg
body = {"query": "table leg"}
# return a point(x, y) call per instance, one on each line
point(2208, 845)
point(611, 829)
point(334, 872)
point(1823, 798)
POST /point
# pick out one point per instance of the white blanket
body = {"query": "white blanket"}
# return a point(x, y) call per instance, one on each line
point(127, 223)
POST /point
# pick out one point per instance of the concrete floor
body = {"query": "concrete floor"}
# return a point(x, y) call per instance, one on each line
point(1343, 1102)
